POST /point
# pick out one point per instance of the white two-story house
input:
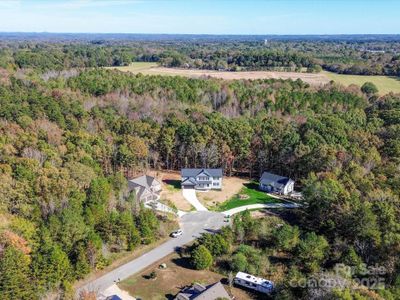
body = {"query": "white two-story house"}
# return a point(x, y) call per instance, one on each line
point(201, 179)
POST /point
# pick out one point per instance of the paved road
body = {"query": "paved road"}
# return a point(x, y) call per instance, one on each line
point(190, 195)
point(258, 206)
point(193, 224)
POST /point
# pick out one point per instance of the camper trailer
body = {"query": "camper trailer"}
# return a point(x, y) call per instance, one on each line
point(255, 283)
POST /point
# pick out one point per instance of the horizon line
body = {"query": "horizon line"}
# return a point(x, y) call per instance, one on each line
point(202, 34)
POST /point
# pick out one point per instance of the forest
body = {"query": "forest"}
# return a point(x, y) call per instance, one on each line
point(360, 55)
point(70, 136)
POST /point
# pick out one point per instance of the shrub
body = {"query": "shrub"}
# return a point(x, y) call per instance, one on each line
point(201, 258)
point(369, 88)
point(239, 262)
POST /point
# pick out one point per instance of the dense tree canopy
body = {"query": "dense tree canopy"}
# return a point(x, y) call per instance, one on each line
point(69, 141)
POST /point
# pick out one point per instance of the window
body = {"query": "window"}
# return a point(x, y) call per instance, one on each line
point(216, 178)
point(215, 184)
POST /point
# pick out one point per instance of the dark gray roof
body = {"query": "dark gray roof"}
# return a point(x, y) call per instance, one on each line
point(274, 180)
point(145, 181)
point(195, 172)
point(142, 183)
point(189, 182)
point(198, 292)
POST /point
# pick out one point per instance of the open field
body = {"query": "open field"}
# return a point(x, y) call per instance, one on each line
point(171, 280)
point(254, 196)
point(136, 67)
point(230, 187)
point(384, 84)
point(153, 69)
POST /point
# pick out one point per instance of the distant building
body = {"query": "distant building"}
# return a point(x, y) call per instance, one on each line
point(201, 292)
point(272, 183)
point(146, 188)
point(201, 179)
point(114, 297)
point(255, 283)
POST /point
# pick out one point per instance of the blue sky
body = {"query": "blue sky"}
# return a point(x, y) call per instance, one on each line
point(202, 16)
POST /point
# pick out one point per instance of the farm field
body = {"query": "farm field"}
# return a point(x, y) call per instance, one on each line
point(153, 69)
point(169, 281)
point(136, 67)
point(385, 84)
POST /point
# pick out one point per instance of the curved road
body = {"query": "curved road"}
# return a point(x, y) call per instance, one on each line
point(193, 224)
point(259, 206)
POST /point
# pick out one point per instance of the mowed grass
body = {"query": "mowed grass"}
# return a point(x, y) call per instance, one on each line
point(136, 67)
point(385, 84)
point(254, 195)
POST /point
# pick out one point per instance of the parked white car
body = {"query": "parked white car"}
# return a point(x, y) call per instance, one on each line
point(177, 233)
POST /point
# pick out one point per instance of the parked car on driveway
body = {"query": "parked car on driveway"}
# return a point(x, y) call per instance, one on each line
point(177, 233)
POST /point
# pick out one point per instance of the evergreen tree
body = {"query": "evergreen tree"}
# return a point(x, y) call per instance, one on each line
point(15, 280)
point(201, 258)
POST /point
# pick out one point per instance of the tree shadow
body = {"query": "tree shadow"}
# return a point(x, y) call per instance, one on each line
point(212, 230)
point(395, 78)
point(183, 262)
point(252, 185)
point(176, 184)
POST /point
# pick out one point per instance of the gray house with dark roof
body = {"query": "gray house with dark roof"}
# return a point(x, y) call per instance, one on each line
point(201, 179)
point(201, 292)
point(272, 183)
point(146, 188)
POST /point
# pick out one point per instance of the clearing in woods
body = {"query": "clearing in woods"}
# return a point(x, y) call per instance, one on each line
point(153, 69)
point(171, 280)
point(385, 84)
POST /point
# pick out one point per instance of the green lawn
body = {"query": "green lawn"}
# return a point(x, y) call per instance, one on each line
point(385, 84)
point(255, 197)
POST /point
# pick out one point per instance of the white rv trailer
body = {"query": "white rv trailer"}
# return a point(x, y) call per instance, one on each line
point(255, 283)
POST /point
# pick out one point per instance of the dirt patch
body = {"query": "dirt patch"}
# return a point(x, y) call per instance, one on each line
point(171, 189)
point(170, 281)
point(262, 213)
point(230, 187)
